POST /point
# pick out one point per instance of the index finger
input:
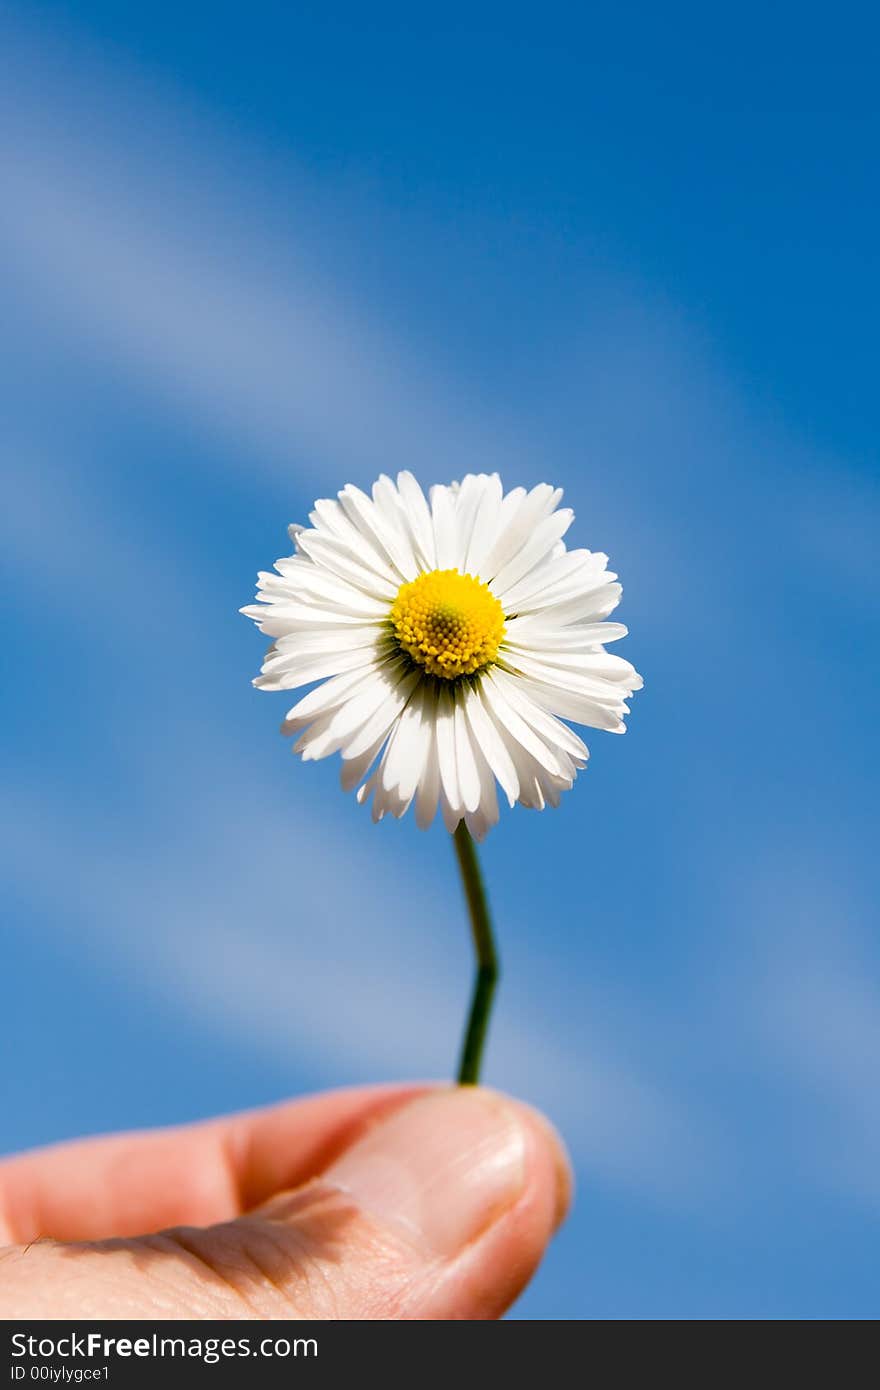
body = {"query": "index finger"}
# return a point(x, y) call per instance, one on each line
point(128, 1184)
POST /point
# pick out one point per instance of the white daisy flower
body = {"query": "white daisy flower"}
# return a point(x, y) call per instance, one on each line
point(451, 638)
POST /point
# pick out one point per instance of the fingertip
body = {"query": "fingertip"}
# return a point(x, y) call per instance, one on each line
point(472, 1183)
point(491, 1274)
point(550, 1145)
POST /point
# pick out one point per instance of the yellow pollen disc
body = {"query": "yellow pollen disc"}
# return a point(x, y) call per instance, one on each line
point(450, 623)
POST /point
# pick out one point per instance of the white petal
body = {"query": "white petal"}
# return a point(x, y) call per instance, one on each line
point(466, 763)
point(317, 741)
point(577, 637)
point(574, 705)
point(352, 717)
point(383, 718)
point(558, 735)
point(353, 770)
point(366, 791)
point(531, 794)
point(568, 573)
point(408, 752)
point(380, 535)
point(552, 787)
point(510, 505)
point(590, 605)
point(445, 730)
point(336, 728)
point(486, 526)
point(418, 515)
point(535, 549)
point(279, 619)
point(333, 639)
point(491, 743)
point(588, 672)
point(451, 814)
point(388, 797)
point(516, 727)
point(467, 499)
point(429, 787)
point(286, 673)
point(443, 515)
point(324, 697)
point(329, 518)
point(387, 499)
point(477, 504)
point(480, 821)
point(517, 522)
point(527, 775)
point(304, 580)
point(612, 668)
point(335, 556)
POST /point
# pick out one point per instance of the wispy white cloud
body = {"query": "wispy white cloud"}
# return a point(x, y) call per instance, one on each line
point(149, 266)
point(814, 1018)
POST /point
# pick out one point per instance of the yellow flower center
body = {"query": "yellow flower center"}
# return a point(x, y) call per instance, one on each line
point(450, 623)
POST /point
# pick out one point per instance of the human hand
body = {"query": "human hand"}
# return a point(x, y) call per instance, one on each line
point(378, 1203)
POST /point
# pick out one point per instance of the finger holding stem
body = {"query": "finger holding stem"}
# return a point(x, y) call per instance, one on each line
point(487, 958)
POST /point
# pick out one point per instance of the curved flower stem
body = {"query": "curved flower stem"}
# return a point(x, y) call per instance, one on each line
point(487, 958)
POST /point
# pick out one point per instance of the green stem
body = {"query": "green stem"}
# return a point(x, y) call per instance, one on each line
point(487, 958)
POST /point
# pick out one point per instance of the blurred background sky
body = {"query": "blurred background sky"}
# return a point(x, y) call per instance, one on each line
point(250, 253)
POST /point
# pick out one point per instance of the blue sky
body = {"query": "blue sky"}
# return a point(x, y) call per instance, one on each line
point(250, 256)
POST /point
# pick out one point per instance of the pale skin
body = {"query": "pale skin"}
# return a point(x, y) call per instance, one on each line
point(394, 1202)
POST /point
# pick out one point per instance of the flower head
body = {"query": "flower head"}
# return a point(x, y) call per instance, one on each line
point(449, 623)
point(451, 637)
